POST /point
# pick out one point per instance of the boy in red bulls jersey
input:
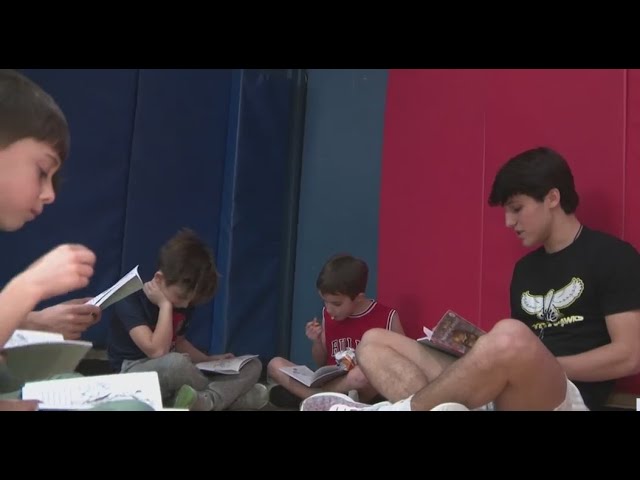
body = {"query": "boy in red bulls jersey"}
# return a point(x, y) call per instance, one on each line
point(346, 316)
point(147, 333)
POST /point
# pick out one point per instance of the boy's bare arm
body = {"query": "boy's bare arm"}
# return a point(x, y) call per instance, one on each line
point(617, 359)
point(315, 332)
point(185, 346)
point(17, 299)
point(319, 352)
point(70, 318)
point(155, 343)
point(64, 269)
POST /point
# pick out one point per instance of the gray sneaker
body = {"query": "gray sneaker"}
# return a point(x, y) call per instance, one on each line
point(254, 399)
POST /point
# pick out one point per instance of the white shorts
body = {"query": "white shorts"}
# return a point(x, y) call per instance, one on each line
point(572, 401)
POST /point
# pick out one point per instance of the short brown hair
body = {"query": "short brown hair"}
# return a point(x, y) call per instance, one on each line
point(186, 260)
point(27, 111)
point(343, 274)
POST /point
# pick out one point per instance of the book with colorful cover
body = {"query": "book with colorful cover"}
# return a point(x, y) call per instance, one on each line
point(453, 334)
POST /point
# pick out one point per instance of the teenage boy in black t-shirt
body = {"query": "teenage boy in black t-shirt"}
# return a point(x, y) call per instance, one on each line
point(575, 304)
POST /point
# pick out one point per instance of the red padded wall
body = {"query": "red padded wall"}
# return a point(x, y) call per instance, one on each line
point(446, 134)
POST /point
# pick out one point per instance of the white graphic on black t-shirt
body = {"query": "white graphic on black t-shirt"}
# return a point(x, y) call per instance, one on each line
point(548, 307)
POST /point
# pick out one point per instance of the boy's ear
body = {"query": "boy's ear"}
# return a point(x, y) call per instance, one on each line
point(159, 277)
point(360, 296)
point(553, 197)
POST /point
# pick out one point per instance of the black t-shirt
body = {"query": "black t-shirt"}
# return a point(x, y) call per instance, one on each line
point(564, 297)
point(131, 312)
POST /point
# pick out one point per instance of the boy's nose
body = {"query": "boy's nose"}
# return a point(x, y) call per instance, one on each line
point(509, 221)
point(48, 195)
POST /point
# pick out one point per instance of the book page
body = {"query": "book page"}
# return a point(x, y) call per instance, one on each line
point(327, 369)
point(29, 337)
point(227, 364)
point(427, 333)
point(86, 392)
point(308, 377)
point(302, 373)
point(41, 360)
point(127, 285)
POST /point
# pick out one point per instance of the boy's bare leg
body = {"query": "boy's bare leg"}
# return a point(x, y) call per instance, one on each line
point(293, 386)
point(397, 366)
point(509, 366)
point(354, 380)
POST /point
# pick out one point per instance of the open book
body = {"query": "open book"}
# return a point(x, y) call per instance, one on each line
point(453, 334)
point(228, 366)
point(313, 379)
point(33, 355)
point(83, 393)
point(127, 285)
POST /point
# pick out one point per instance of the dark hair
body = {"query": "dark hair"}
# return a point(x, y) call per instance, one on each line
point(185, 260)
point(27, 111)
point(534, 173)
point(343, 275)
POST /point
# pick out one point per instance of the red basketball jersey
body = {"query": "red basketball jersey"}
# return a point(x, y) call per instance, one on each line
point(346, 333)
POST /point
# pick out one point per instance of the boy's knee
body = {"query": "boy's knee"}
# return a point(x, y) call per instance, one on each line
point(257, 363)
point(175, 361)
point(509, 341)
point(274, 365)
point(252, 370)
point(375, 335)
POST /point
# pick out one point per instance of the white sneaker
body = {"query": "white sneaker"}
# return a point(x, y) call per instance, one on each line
point(336, 402)
point(450, 407)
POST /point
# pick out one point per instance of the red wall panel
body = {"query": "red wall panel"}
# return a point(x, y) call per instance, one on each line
point(446, 134)
point(431, 195)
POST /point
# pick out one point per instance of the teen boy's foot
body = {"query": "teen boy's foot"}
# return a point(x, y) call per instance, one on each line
point(189, 398)
point(331, 401)
point(335, 402)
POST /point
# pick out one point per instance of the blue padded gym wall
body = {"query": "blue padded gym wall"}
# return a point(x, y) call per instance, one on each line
point(253, 222)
